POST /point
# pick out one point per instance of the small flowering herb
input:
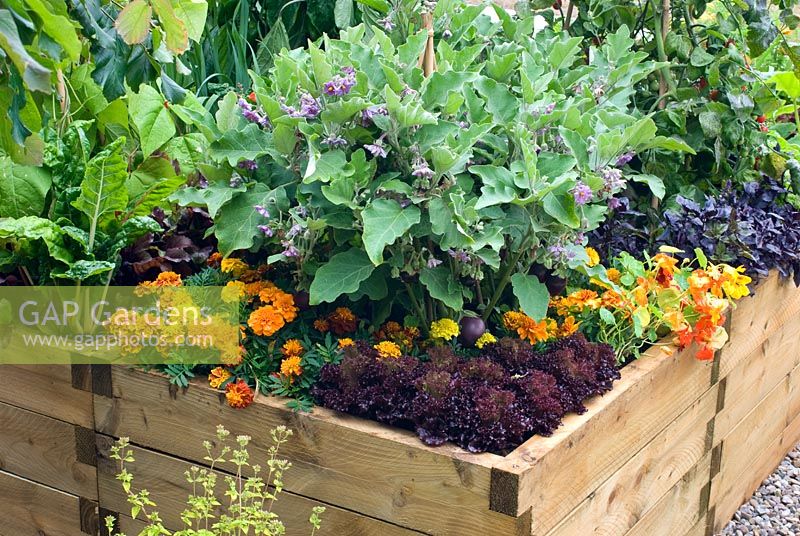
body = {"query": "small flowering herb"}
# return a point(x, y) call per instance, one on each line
point(582, 193)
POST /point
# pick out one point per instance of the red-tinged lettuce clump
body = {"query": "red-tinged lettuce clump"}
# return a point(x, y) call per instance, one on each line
point(493, 402)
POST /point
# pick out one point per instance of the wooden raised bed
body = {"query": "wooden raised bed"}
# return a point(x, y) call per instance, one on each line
point(674, 449)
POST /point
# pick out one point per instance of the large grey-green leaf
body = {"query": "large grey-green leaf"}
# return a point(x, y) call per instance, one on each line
point(342, 274)
point(384, 222)
point(213, 197)
point(442, 286)
point(248, 143)
point(562, 208)
point(236, 227)
point(498, 185)
point(22, 189)
point(532, 294)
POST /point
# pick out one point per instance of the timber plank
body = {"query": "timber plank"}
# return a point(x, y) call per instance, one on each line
point(48, 390)
point(681, 509)
point(163, 477)
point(625, 498)
point(45, 450)
point(31, 509)
point(352, 463)
point(556, 473)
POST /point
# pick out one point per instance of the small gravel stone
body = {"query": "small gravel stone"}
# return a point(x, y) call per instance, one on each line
point(774, 507)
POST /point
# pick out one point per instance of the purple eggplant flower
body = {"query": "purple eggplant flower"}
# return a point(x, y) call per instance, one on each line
point(372, 111)
point(377, 149)
point(261, 210)
point(582, 193)
point(236, 181)
point(422, 169)
point(248, 165)
point(302, 211)
point(266, 229)
point(294, 231)
point(408, 91)
point(309, 106)
point(625, 158)
point(339, 85)
point(433, 262)
point(460, 255)
point(289, 249)
point(334, 142)
point(549, 108)
point(612, 179)
point(387, 23)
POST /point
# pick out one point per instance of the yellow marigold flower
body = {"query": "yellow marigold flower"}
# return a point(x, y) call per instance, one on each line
point(235, 267)
point(218, 376)
point(284, 304)
point(345, 342)
point(483, 340)
point(238, 394)
point(568, 327)
point(265, 321)
point(613, 275)
point(291, 366)
point(594, 257)
point(388, 350)
point(233, 291)
point(292, 347)
point(444, 329)
point(321, 325)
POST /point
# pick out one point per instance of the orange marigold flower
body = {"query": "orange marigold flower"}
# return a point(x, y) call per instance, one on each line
point(284, 304)
point(269, 292)
point(291, 366)
point(322, 325)
point(533, 331)
point(265, 321)
point(584, 298)
point(342, 321)
point(388, 350)
point(568, 327)
point(238, 394)
point(218, 376)
point(613, 275)
point(233, 266)
point(168, 279)
point(512, 320)
point(345, 342)
point(292, 347)
point(250, 276)
point(233, 359)
point(214, 259)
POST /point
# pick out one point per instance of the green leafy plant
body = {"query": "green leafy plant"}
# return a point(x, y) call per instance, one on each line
point(249, 492)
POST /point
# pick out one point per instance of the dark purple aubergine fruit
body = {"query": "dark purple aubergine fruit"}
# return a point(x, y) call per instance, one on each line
point(301, 300)
point(472, 328)
point(555, 285)
point(540, 271)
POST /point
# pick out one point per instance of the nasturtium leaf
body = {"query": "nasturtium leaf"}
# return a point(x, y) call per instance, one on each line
point(151, 118)
point(442, 286)
point(384, 222)
point(342, 274)
point(607, 317)
point(236, 227)
point(22, 189)
point(133, 22)
point(533, 296)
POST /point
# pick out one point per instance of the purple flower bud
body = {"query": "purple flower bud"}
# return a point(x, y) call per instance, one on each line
point(294, 231)
point(612, 178)
point(290, 250)
point(460, 255)
point(582, 193)
point(387, 23)
point(549, 108)
point(236, 180)
point(261, 210)
point(334, 141)
point(434, 262)
point(376, 149)
point(248, 165)
point(407, 91)
point(447, 34)
point(625, 158)
point(202, 181)
point(372, 111)
point(266, 229)
point(422, 169)
point(463, 124)
point(614, 203)
point(302, 211)
point(309, 106)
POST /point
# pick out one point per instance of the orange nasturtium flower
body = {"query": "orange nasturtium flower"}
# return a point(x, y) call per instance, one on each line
point(238, 394)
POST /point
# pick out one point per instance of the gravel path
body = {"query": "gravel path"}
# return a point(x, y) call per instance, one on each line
point(775, 507)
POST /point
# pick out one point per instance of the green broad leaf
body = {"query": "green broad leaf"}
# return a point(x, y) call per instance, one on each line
point(533, 296)
point(327, 166)
point(440, 85)
point(384, 222)
point(154, 195)
point(343, 13)
point(374, 287)
point(711, 124)
point(577, 144)
point(23, 189)
point(607, 317)
point(342, 274)
point(563, 53)
point(82, 270)
point(151, 118)
point(442, 286)
point(149, 172)
point(34, 74)
point(177, 36)
point(407, 114)
point(18, 233)
point(410, 51)
point(248, 143)
point(562, 208)
point(193, 13)
point(236, 228)
point(378, 5)
point(213, 197)
point(700, 58)
point(701, 257)
point(133, 22)
point(656, 184)
point(498, 185)
point(788, 83)
point(499, 100)
point(58, 26)
point(228, 115)
point(103, 190)
point(671, 143)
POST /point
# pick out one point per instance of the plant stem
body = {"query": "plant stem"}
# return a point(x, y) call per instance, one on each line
point(418, 307)
point(504, 279)
point(661, 24)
